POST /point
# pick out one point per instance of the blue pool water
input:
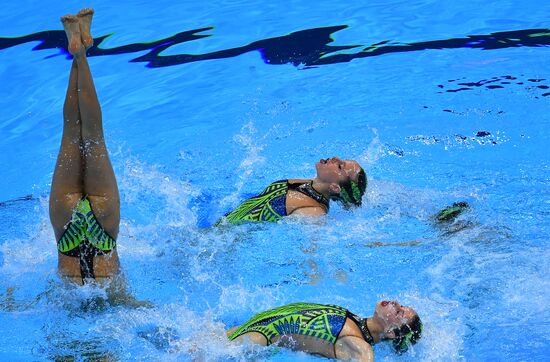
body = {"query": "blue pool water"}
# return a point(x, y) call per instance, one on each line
point(438, 102)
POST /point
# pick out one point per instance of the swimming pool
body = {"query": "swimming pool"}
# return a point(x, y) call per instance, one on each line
point(206, 104)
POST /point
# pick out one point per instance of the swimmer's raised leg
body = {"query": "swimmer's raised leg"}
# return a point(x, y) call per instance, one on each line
point(67, 183)
point(85, 18)
point(99, 178)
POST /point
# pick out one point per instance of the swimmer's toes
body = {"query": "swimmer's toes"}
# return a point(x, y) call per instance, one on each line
point(72, 29)
point(85, 18)
point(85, 12)
point(67, 19)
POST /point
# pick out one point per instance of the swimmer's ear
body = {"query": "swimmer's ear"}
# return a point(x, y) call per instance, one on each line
point(334, 188)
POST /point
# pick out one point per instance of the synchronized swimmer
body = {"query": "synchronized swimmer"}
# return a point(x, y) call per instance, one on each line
point(84, 199)
point(330, 330)
point(341, 180)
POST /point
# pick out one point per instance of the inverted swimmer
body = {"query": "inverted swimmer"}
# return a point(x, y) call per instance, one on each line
point(330, 330)
point(84, 198)
point(340, 180)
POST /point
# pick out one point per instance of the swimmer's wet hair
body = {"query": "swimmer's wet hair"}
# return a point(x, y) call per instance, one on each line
point(352, 192)
point(407, 335)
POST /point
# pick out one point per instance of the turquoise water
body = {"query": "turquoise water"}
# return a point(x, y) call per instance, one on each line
point(439, 103)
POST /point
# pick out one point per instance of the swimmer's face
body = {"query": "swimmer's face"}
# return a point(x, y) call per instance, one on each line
point(335, 170)
point(392, 314)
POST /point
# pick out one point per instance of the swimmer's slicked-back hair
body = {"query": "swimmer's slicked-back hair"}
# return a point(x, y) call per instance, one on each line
point(351, 192)
point(407, 335)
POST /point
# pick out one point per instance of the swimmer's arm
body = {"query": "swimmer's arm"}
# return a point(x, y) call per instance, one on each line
point(353, 348)
point(309, 211)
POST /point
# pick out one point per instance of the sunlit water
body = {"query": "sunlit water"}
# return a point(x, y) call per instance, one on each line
point(189, 141)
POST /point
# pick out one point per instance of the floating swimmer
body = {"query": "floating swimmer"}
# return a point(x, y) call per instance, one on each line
point(84, 198)
point(340, 180)
point(330, 330)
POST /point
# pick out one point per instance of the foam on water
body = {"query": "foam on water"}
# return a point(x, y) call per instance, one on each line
point(247, 138)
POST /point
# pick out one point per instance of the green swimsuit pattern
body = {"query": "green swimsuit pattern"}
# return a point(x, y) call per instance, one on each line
point(270, 204)
point(323, 321)
point(84, 227)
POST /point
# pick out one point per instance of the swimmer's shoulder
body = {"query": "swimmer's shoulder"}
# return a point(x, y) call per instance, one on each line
point(299, 204)
point(350, 344)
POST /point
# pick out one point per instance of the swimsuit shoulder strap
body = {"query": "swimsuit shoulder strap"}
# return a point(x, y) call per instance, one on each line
point(363, 327)
point(307, 189)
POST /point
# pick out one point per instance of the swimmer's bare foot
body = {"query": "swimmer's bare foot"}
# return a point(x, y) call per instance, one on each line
point(85, 17)
point(72, 29)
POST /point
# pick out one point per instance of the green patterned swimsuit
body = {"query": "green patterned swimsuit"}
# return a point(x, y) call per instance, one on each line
point(85, 238)
point(316, 320)
point(270, 205)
